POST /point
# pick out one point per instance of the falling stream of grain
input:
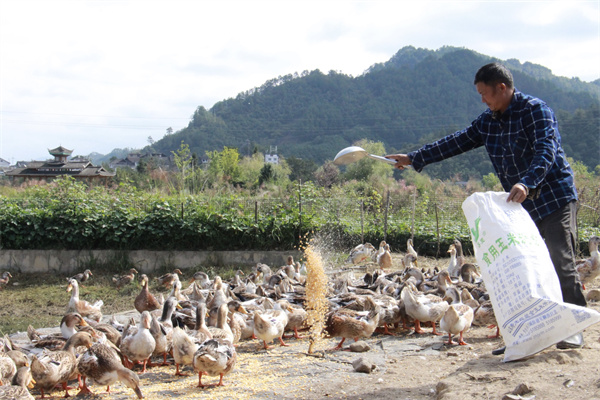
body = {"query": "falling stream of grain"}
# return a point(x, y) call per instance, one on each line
point(316, 295)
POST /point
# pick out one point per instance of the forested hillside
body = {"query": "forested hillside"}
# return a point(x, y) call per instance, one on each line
point(416, 96)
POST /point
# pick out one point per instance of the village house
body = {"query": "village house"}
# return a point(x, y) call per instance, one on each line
point(78, 168)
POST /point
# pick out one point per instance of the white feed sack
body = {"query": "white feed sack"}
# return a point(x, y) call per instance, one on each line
point(520, 277)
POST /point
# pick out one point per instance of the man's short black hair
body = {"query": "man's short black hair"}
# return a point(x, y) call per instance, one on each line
point(494, 73)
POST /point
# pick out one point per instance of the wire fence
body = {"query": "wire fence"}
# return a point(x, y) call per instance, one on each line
point(438, 216)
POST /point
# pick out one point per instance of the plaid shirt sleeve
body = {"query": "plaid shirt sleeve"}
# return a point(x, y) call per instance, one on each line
point(524, 146)
point(449, 146)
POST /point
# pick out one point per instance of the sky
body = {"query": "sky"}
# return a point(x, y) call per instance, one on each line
point(93, 76)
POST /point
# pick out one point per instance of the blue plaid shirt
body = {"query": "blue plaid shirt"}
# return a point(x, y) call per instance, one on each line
point(524, 146)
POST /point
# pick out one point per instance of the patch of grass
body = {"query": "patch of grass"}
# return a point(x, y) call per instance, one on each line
point(41, 300)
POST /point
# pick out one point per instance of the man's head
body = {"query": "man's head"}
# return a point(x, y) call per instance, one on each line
point(494, 83)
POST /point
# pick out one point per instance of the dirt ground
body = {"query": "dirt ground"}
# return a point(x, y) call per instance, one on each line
point(406, 366)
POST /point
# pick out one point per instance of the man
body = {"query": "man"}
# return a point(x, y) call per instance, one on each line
point(521, 136)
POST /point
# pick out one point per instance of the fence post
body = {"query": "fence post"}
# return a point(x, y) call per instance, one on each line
point(437, 226)
point(300, 209)
point(362, 221)
point(385, 222)
point(412, 225)
point(256, 212)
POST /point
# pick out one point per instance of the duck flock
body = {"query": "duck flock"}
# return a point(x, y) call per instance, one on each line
point(199, 327)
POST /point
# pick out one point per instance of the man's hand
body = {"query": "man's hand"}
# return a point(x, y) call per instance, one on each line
point(402, 160)
point(518, 193)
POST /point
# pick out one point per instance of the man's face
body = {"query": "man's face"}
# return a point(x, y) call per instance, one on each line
point(495, 97)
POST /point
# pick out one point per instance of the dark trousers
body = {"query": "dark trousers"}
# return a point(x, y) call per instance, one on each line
point(559, 231)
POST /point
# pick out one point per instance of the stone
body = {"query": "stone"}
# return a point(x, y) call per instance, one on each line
point(363, 365)
point(359, 347)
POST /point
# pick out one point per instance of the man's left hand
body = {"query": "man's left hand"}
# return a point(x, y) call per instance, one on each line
point(518, 193)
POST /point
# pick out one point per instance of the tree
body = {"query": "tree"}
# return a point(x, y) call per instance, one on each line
point(327, 175)
point(224, 165)
point(266, 174)
point(183, 160)
point(301, 169)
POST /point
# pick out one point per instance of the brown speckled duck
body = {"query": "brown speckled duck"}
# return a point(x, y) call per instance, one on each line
point(124, 280)
point(167, 280)
point(53, 368)
point(347, 323)
point(214, 357)
point(82, 276)
point(145, 301)
point(19, 389)
point(102, 364)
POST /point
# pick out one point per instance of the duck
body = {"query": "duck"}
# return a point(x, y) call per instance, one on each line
point(83, 307)
point(236, 319)
point(8, 369)
point(384, 259)
point(56, 341)
point(297, 317)
point(167, 280)
point(82, 276)
point(411, 250)
point(137, 343)
point(269, 325)
point(124, 280)
point(423, 307)
point(589, 269)
point(201, 333)
point(460, 257)
point(4, 279)
point(467, 298)
point(145, 301)
point(484, 316)
point(184, 348)
point(102, 364)
point(214, 357)
point(347, 323)
point(222, 330)
point(202, 280)
point(438, 286)
point(162, 330)
point(457, 319)
point(219, 296)
point(52, 368)
point(453, 266)
point(19, 388)
point(361, 253)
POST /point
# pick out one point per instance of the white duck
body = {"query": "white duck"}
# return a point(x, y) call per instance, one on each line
point(589, 269)
point(137, 343)
point(457, 319)
point(361, 253)
point(423, 308)
point(453, 266)
point(184, 348)
point(269, 325)
point(84, 308)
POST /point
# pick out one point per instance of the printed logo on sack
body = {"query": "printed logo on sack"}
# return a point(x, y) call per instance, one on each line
point(475, 232)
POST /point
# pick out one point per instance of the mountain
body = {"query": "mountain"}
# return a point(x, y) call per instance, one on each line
point(416, 96)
